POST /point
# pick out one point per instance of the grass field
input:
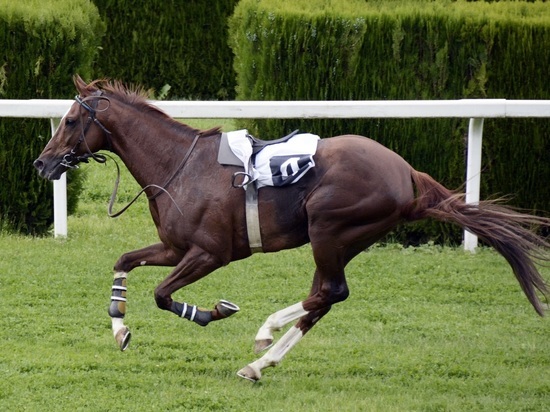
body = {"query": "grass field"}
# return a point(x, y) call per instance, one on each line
point(425, 329)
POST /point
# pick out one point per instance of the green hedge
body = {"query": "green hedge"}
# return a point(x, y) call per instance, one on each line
point(169, 42)
point(43, 44)
point(393, 50)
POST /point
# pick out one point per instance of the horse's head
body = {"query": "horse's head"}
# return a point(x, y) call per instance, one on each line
point(79, 135)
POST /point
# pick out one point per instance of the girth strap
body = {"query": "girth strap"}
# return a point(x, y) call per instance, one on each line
point(253, 219)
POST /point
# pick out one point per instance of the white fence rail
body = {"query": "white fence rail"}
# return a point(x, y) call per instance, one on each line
point(475, 110)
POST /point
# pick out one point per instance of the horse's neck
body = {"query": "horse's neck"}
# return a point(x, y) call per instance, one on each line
point(150, 149)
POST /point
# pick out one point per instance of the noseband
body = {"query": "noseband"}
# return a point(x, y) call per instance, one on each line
point(71, 160)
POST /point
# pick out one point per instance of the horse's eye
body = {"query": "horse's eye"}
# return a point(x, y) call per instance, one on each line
point(69, 121)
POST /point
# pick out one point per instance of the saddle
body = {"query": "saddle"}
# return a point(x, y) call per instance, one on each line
point(277, 162)
point(258, 144)
point(227, 157)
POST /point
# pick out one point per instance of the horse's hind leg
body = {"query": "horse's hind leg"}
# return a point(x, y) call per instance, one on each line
point(274, 323)
point(318, 307)
point(277, 352)
point(156, 255)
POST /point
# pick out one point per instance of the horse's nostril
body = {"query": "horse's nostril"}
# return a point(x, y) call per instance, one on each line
point(39, 164)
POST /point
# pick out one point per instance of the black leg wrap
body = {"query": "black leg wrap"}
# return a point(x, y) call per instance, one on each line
point(117, 308)
point(192, 313)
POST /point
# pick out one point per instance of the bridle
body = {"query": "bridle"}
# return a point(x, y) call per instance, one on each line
point(71, 160)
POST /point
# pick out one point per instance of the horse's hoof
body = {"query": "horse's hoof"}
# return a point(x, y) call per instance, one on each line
point(262, 345)
point(226, 308)
point(250, 373)
point(122, 338)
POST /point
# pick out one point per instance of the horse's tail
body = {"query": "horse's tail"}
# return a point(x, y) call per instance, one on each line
point(510, 232)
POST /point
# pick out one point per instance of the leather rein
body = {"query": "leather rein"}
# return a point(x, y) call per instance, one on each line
point(70, 160)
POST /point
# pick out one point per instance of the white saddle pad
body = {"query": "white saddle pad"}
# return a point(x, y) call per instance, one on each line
point(278, 164)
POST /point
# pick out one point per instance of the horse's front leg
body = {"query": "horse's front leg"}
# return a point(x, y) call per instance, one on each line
point(196, 264)
point(155, 255)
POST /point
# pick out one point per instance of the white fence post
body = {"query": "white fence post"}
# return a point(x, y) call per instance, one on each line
point(473, 173)
point(59, 197)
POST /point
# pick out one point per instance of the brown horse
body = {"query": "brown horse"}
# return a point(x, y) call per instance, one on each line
point(356, 193)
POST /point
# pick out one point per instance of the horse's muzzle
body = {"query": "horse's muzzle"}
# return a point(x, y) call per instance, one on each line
point(51, 170)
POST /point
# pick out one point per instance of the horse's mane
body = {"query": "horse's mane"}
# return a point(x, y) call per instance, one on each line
point(136, 95)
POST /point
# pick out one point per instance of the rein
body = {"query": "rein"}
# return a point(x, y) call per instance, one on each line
point(136, 197)
point(185, 158)
point(162, 189)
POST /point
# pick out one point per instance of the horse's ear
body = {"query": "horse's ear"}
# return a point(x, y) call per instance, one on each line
point(79, 83)
point(81, 86)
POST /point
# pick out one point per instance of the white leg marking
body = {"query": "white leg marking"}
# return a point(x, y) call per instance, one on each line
point(120, 275)
point(279, 319)
point(118, 324)
point(276, 354)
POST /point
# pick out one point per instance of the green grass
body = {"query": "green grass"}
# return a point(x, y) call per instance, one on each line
point(425, 329)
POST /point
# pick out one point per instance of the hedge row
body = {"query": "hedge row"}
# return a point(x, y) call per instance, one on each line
point(182, 44)
point(351, 49)
point(43, 44)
